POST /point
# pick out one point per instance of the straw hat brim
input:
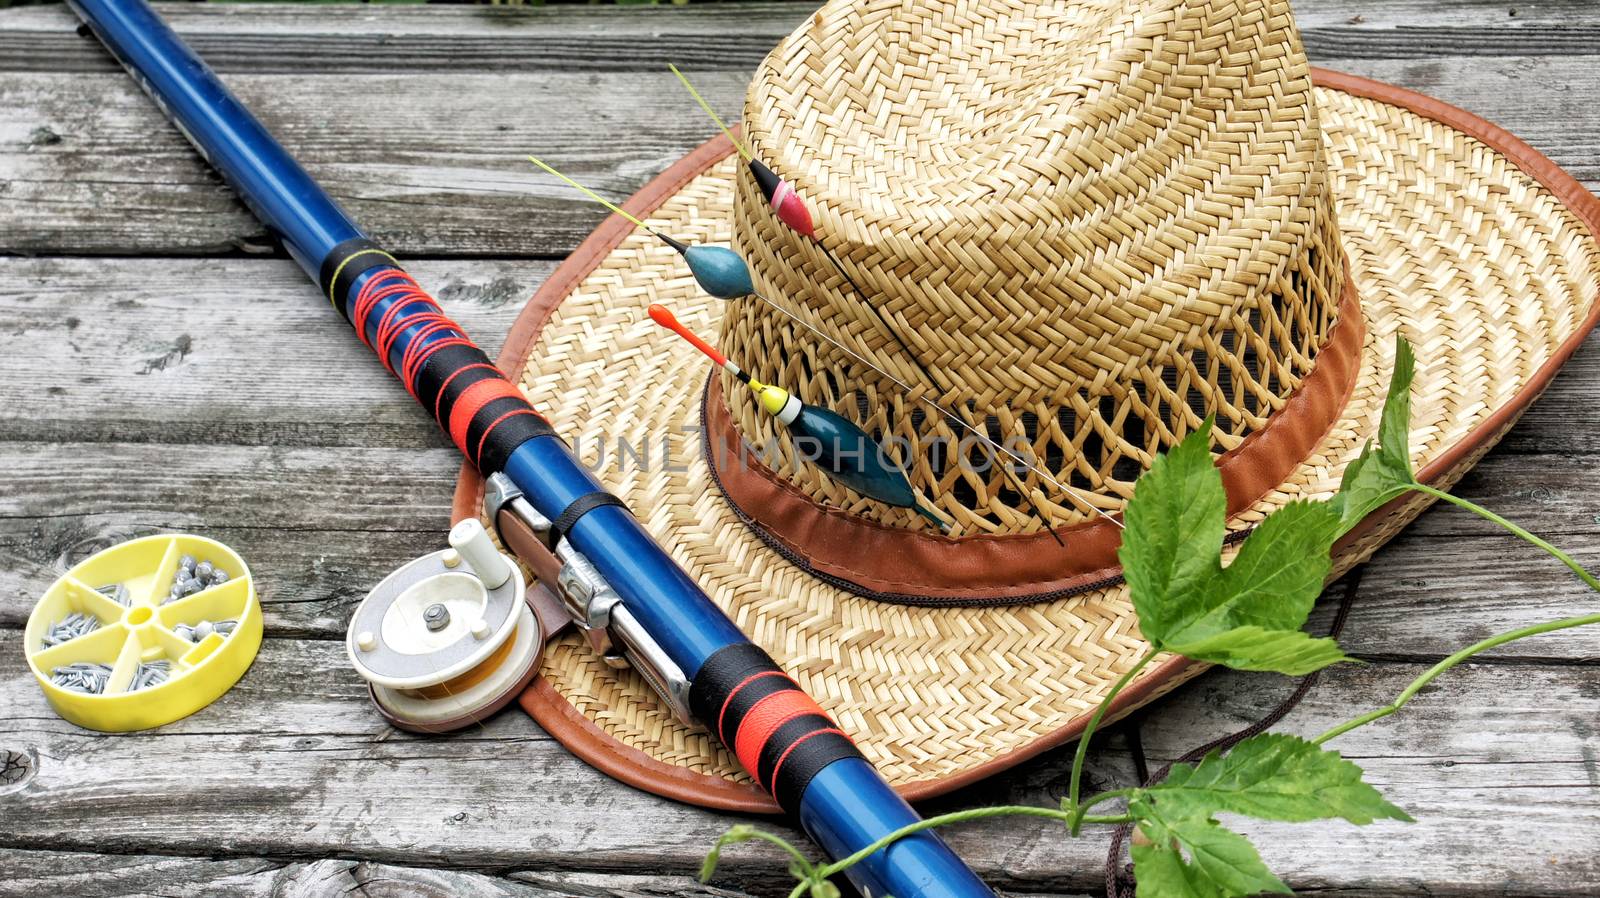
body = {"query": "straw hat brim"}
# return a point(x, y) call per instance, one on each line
point(1476, 247)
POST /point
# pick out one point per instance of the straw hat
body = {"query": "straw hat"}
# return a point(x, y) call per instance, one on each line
point(1092, 223)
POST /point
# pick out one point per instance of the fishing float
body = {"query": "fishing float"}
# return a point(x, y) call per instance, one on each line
point(621, 587)
point(842, 449)
point(792, 210)
point(780, 194)
point(723, 273)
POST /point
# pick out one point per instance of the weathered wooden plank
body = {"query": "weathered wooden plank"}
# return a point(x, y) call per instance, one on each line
point(1428, 29)
point(87, 165)
point(318, 527)
point(295, 741)
point(291, 39)
point(711, 36)
point(166, 351)
point(321, 526)
point(87, 875)
point(217, 351)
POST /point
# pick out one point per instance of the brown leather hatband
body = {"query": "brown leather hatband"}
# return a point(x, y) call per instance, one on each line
point(923, 568)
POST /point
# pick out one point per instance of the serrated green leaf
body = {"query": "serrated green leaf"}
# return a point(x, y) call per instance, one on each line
point(1369, 482)
point(1394, 431)
point(1274, 777)
point(1172, 541)
point(1192, 855)
point(1274, 580)
point(1162, 873)
point(1246, 615)
point(1380, 475)
point(1292, 652)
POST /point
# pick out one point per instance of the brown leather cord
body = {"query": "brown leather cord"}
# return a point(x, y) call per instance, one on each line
point(1119, 877)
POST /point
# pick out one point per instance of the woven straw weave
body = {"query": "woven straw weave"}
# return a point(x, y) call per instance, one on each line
point(1480, 267)
point(1094, 222)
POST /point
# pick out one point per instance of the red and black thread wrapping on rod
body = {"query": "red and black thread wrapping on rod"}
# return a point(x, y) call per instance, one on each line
point(484, 414)
point(780, 736)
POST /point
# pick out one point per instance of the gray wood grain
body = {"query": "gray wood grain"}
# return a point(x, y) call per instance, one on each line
point(320, 526)
point(219, 350)
point(165, 351)
point(30, 874)
point(86, 875)
point(287, 40)
point(88, 165)
point(293, 762)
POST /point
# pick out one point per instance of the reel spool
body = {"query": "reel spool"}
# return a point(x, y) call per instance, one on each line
point(449, 639)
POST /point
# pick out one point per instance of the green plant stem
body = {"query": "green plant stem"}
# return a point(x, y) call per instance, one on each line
point(1104, 797)
point(1075, 783)
point(802, 860)
point(1485, 513)
point(844, 863)
point(1432, 673)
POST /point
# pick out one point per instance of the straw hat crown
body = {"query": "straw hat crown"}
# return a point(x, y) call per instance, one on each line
point(1092, 223)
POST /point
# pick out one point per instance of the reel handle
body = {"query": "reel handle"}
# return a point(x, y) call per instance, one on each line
point(472, 541)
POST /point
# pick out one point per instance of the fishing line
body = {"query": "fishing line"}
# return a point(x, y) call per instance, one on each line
point(936, 383)
point(725, 275)
point(841, 445)
point(714, 269)
point(949, 415)
point(737, 143)
point(749, 157)
point(596, 197)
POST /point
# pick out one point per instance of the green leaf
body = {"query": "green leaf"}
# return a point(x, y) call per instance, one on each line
point(1394, 431)
point(1247, 615)
point(1275, 579)
point(1380, 475)
point(1162, 873)
point(1172, 540)
point(1192, 855)
point(1292, 652)
point(1274, 777)
point(1369, 483)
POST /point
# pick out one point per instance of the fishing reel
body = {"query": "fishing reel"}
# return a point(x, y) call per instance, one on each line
point(450, 638)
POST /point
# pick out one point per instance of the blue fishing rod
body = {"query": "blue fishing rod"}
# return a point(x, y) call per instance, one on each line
point(627, 595)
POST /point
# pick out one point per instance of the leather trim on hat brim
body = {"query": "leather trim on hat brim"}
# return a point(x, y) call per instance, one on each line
point(920, 567)
point(586, 740)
